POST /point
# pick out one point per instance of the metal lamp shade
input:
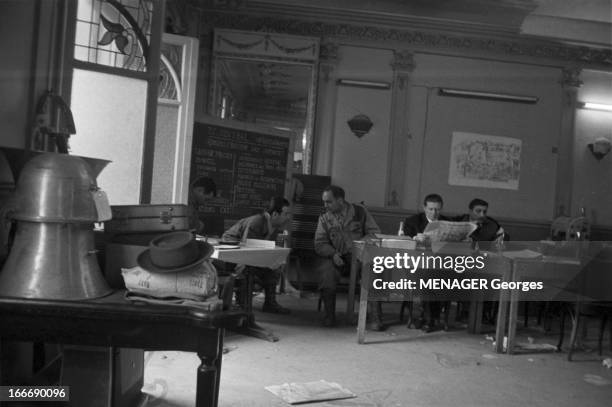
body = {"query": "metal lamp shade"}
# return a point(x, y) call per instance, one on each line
point(56, 188)
point(53, 261)
point(53, 254)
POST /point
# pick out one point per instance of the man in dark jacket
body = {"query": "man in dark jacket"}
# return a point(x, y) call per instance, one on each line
point(414, 227)
point(416, 224)
point(488, 228)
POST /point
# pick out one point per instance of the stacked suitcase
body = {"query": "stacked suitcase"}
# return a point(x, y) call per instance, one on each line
point(131, 229)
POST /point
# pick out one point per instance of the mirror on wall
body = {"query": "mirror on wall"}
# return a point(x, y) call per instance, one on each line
point(269, 80)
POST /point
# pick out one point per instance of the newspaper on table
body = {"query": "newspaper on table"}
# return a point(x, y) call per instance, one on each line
point(446, 231)
point(322, 390)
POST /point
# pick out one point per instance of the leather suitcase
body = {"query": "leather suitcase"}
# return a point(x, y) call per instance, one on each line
point(147, 218)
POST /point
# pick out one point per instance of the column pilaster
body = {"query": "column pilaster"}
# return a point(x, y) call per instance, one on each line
point(403, 65)
point(570, 83)
point(325, 109)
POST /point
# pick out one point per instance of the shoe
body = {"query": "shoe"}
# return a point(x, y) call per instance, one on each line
point(429, 327)
point(329, 322)
point(416, 324)
point(270, 305)
point(426, 328)
point(375, 326)
point(374, 317)
point(275, 308)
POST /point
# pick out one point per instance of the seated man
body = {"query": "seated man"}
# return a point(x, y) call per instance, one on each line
point(265, 225)
point(488, 231)
point(414, 227)
point(488, 228)
point(338, 227)
point(202, 190)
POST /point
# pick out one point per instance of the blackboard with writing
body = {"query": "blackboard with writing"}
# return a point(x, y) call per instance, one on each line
point(248, 166)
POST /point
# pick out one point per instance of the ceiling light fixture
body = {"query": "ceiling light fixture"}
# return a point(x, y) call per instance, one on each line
point(500, 97)
point(595, 106)
point(363, 84)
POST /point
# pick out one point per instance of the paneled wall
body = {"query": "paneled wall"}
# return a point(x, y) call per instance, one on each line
point(16, 70)
point(434, 119)
point(407, 153)
point(34, 59)
point(359, 163)
point(592, 179)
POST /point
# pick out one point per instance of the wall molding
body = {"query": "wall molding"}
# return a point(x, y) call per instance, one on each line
point(487, 43)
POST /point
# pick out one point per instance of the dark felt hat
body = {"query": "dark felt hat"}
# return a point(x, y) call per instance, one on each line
point(172, 252)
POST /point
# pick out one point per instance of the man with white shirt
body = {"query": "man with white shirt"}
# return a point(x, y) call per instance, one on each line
point(414, 227)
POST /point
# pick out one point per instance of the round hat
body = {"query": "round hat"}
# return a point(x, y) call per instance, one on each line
point(173, 252)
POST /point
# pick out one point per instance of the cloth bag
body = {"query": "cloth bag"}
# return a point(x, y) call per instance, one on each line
point(198, 283)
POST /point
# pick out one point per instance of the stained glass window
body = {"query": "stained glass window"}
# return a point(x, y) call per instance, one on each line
point(170, 72)
point(114, 33)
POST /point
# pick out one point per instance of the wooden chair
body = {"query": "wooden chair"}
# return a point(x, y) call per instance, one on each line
point(566, 228)
point(562, 228)
point(579, 312)
point(596, 282)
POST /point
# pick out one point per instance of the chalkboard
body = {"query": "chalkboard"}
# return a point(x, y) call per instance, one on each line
point(248, 165)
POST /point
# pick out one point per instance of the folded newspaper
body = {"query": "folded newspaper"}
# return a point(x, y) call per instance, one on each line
point(445, 231)
point(198, 283)
point(322, 390)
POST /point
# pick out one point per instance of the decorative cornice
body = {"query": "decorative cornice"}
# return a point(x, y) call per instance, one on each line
point(415, 39)
point(273, 45)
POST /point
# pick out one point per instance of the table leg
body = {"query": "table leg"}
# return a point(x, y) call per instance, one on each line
point(207, 387)
point(247, 297)
point(513, 317)
point(500, 329)
point(363, 302)
point(475, 314)
point(350, 302)
point(502, 312)
point(221, 336)
point(250, 327)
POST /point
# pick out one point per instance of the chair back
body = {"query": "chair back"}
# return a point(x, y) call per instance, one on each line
point(567, 228)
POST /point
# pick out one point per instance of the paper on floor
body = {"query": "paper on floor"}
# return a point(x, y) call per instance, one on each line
point(322, 390)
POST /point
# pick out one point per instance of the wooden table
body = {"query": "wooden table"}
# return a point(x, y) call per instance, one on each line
point(560, 266)
point(113, 321)
point(557, 273)
point(366, 252)
point(271, 258)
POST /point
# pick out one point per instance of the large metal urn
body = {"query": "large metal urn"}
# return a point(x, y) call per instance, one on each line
point(53, 255)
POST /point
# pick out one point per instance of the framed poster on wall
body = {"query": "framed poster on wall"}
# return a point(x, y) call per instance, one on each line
point(479, 160)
